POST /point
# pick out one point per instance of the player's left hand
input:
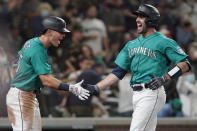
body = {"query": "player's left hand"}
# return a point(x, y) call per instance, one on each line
point(156, 82)
point(79, 91)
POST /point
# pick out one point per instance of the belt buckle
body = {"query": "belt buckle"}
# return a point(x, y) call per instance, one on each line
point(138, 87)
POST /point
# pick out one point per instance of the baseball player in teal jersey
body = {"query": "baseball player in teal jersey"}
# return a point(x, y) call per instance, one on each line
point(148, 57)
point(33, 73)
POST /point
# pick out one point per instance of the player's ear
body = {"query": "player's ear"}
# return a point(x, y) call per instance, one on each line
point(48, 31)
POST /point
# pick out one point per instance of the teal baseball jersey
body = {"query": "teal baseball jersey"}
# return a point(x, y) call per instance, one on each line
point(150, 55)
point(33, 61)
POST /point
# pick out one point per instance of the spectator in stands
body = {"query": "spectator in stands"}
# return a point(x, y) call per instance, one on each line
point(14, 39)
point(192, 15)
point(130, 19)
point(60, 9)
point(186, 85)
point(5, 79)
point(71, 15)
point(84, 64)
point(94, 31)
point(88, 52)
point(53, 107)
point(113, 20)
point(192, 52)
point(115, 48)
point(85, 108)
point(169, 16)
point(44, 10)
point(187, 88)
point(172, 109)
point(125, 106)
point(29, 12)
point(185, 32)
point(69, 51)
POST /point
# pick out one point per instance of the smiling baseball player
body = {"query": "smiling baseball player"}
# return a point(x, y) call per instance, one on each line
point(33, 73)
point(148, 57)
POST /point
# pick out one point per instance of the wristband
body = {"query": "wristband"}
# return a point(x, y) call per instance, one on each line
point(119, 72)
point(63, 86)
point(96, 88)
point(175, 72)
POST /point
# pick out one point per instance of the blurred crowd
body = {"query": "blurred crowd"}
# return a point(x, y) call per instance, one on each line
point(99, 30)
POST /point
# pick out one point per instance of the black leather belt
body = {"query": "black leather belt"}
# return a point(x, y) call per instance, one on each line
point(138, 87)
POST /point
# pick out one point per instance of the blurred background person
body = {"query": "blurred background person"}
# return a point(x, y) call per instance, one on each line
point(125, 97)
point(85, 63)
point(185, 32)
point(187, 89)
point(114, 21)
point(86, 108)
point(5, 79)
point(94, 31)
point(43, 10)
point(88, 52)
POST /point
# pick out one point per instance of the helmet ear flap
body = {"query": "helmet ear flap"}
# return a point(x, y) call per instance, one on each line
point(148, 22)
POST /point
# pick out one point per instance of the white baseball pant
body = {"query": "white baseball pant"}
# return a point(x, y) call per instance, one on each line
point(23, 110)
point(147, 103)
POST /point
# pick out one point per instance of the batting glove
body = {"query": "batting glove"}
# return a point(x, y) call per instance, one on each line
point(93, 89)
point(156, 82)
point(79, 91)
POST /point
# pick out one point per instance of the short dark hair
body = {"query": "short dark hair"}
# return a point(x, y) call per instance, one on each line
point(98, 65)
point(83, 58)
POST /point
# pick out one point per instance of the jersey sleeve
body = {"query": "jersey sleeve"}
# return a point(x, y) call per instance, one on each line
point(39, 60)
point(123, 59)
point(174, 52)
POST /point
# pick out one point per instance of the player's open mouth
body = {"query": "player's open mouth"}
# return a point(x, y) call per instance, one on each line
point(59, 40)
point(139, 26)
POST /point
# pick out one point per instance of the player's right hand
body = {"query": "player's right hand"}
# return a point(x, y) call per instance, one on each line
point(93, 89)
point(79, 91)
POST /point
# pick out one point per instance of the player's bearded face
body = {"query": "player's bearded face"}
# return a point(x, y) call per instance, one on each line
point(141, 25)
point(56, 37)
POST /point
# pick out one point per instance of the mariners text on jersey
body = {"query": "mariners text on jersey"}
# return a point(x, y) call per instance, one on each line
point(141, 50)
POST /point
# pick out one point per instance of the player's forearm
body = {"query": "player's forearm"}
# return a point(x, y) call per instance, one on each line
point(49, 81)
point(108, 81)
point(184, 66)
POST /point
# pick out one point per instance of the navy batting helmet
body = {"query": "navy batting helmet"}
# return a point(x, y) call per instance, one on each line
point(55, 23)
point(150, 12)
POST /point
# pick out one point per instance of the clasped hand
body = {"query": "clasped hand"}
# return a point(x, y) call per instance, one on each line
point(93, 89)
point(79, 91)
